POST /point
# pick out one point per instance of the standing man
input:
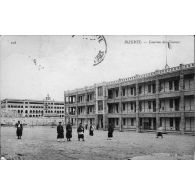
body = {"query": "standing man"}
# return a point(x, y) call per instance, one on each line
point(60, 132)
point(80, 132)
point(68, 131)
point(86, 125)
point(91, 129)
point(110, 131)
point(19, 130)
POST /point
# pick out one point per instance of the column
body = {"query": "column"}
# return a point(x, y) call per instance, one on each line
point(76, 112)
point(157, 103)
point(181, 85)
point(86, 108)
point(120, 107)
point(23, 114)
point(95, 107)
point(65, 118)
point(105, 112)
point(137, 109)
point(193, 88)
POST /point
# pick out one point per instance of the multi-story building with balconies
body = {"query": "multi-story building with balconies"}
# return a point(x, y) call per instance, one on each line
point(32, 108)
point(140, 103)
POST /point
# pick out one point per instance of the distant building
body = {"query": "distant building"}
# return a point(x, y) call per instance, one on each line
point(140, 103)
point(32, 108)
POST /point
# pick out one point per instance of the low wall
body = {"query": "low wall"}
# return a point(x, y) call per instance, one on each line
point(40, 121)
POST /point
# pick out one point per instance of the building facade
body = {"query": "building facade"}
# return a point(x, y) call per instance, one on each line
point(140, 103)
point(32, 108)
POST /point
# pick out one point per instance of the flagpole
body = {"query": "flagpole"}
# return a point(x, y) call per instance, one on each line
point(166, 48)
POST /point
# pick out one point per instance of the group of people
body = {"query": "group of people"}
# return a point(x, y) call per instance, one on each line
point(60, 131)
point(80, 131)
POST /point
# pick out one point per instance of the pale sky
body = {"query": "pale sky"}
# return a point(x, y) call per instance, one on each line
point(68, 62)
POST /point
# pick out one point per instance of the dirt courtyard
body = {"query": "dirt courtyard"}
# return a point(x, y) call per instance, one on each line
point(40, 143)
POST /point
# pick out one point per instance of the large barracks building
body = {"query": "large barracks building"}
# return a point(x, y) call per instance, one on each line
point(140, 103)
point(32, 108)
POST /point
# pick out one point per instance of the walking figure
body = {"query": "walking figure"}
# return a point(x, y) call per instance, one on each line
point(91, 129)
point(68, 131)
point(110, 131)
point(19, 130)
point(80, 132)
point(159, 132)
point(60, 132)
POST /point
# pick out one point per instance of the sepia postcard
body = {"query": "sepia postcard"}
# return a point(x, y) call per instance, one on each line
point(97, 97)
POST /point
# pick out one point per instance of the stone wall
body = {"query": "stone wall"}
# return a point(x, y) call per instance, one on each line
point(40, 121)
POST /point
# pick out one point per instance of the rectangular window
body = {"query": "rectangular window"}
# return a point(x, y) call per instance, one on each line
point(116, 93)
point(123, 92)
point(171, 122)
point(110, 94)
point(176, 85)
point(150, 122)
point(161, 87)
point(149, 88)
point(100, 91)
point(131, 91)
point(140, 89)
point(132, 122)
point(100, 105)
point(124, 121)
point(123, 106)
point(170, 85)
point(140, 106)
point(177, 104)
point(140, 121)
point(117, 108)
point(171, 103)
point(154, 106)
point(149, 105)
point(117, 122)
point(153, 88)
point(131, 105)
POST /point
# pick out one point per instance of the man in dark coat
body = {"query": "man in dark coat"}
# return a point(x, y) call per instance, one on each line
point(68, 131)
point(110, 131)
point(80, 131)
point(60, 132)
point(91, 129)
point(19, 130)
